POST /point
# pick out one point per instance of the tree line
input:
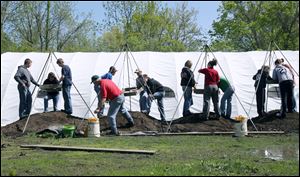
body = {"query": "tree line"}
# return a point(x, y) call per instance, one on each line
point(43, 26)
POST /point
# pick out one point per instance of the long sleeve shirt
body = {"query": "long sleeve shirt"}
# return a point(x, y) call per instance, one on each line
point(24, 77)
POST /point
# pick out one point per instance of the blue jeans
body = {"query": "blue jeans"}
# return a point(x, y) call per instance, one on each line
point(188, 99)
point(55, 99)
point(227, 97)
point(144, 101)
point(159, 96)
point(67, 99)
point(115, 106)
point(210, 91)
point(25, 101)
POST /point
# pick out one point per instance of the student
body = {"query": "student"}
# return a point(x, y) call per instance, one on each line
point(54, 95)
point(144, 100)
point(211, 80)
point(24, 78)
point(155, 90)
point(228, 91)
point(109, 91)
point(66, 78)
point(261, 78)
point(187, 83)
point(284, 76)
point(95, 79)
point(112, 71)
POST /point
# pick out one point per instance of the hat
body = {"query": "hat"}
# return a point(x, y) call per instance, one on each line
point(112, 69)
point(94, 78)
point(137, 71)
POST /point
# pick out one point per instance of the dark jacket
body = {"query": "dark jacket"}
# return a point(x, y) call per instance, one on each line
point(265, 77)
point(186, 75)
point(52, 93)
point(140, 82)
point(154, 86)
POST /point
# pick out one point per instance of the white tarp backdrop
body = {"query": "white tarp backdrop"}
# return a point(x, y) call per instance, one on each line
point(239, 67)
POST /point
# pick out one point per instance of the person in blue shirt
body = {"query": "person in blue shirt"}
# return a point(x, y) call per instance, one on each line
point(66, 78)
point(97, 90)
point(112, 71)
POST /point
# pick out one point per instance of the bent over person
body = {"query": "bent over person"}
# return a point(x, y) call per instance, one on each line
point(155, 90)
point(24, 78)
point(111, 92)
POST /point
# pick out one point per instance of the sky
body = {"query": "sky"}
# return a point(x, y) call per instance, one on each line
point(207, 11)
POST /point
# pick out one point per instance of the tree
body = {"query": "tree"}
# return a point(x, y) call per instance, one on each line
point(151, 26)
point(44, 25)
point(252, 25)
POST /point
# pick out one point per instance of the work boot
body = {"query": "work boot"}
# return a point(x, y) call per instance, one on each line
point(129, 124)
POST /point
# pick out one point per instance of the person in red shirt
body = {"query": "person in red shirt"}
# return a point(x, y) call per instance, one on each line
point(211, 89)
point(109, 91)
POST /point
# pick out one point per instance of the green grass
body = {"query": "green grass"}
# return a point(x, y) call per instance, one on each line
point(176, 156)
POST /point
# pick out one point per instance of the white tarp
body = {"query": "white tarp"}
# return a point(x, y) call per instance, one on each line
point(239, 67)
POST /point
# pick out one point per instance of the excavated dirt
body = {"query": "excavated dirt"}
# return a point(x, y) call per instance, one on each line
point(193, 123)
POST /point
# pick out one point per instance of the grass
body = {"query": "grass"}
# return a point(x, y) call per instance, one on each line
point(176, 156)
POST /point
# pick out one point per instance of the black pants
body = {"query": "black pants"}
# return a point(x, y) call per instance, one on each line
point(286, 92)
point(260, 100)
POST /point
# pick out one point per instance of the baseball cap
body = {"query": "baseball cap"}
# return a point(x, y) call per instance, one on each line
point(137, 71)
point(94, 78)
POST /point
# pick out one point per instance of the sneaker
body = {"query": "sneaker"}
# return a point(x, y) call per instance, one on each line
point(280, 116)
point(113, 133)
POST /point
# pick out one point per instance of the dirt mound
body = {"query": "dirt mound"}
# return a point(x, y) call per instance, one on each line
point(193, 123)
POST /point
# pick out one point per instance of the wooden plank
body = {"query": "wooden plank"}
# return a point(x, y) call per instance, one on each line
point(202, 133)
point(76, 148)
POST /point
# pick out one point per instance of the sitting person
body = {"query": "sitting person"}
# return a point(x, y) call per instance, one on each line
point(54, 95)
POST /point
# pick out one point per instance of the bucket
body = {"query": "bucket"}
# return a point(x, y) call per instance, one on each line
point(68, 130)
point(93, 127)
point(241, 128)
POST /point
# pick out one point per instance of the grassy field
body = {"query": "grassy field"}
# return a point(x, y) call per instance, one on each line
point(176, 156)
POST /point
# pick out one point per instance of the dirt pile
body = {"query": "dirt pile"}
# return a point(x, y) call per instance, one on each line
point(193, 123)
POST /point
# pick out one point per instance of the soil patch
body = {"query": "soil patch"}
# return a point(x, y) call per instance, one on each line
point(193, 123)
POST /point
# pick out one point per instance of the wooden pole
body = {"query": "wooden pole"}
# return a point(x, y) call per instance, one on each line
point(91, 149)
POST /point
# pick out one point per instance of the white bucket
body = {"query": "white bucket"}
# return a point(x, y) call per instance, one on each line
point(240, 128)
point(93, 127)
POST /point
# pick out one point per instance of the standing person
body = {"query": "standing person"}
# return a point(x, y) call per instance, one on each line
point(66, 78)
point(144, 98)
point(24, 78)
point(261, 78)
point(54, 95)
point(211, 81)
point(294, 84)
point(110, 91)
point(228, 91)
point(187, 83)
point(155, 90)
point(285, 78)
point(95, 79)
point(112, 71)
